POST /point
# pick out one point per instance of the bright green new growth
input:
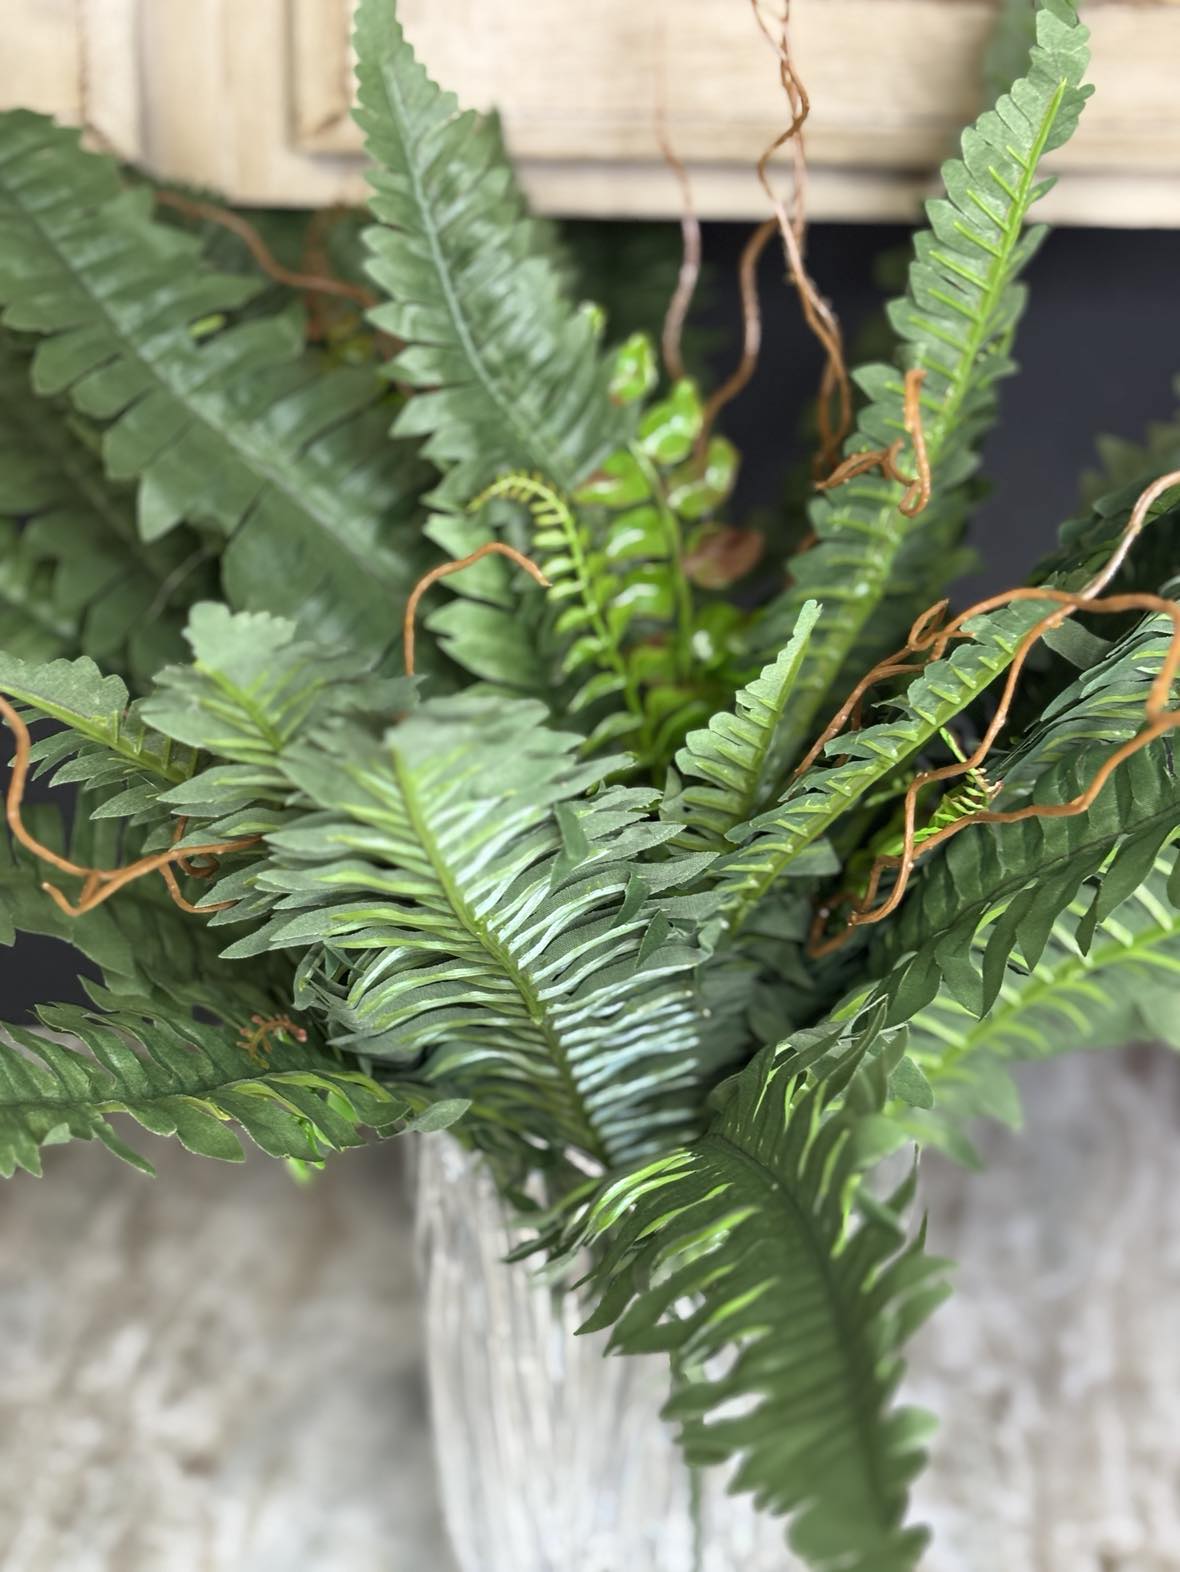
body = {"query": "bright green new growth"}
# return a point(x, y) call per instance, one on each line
point(557, 893)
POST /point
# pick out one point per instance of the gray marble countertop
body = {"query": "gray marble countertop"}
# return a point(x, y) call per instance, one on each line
point(218, 1371)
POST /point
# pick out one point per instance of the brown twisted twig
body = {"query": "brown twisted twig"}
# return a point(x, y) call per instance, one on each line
point(917, 494)
point(99, 884)
point(821, 319)
point(751, 332)
point(493, 547)
point(311, 283)
point(929, 639)
point(671, 338)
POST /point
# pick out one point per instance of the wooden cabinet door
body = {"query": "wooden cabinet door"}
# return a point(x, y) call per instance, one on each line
point(252, 97)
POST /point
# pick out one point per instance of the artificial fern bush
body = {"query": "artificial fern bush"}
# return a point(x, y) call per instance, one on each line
point(596, 884)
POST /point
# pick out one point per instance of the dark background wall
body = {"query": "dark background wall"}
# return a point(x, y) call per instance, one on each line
point(1098, 350)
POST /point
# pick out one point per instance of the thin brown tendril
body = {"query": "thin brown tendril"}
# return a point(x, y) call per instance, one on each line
point(255, 1039)
point(496, 547)
point(310, 283)
point(671, 339)
point(751, 331)
point(929, 638)
point(884, 459)
point(917, 494)
point(99, 884)
point(835, 385)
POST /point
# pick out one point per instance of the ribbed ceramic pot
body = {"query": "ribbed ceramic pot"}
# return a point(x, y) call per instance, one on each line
point(550, 1457)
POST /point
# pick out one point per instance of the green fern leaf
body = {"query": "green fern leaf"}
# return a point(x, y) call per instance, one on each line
point(871, 568)
point(176, 1077)
point(238, 429)
point(744, 1251)
point(73, 573)
point(1017, 878)
point(1088, 989)
point(734, 754)
point(773, 843)
point(464, 907)
point(104, 746)
point(514, 376)
point(253, 687)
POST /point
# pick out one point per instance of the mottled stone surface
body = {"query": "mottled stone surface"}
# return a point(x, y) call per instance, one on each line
point(220, 1372)
point(217, 1371)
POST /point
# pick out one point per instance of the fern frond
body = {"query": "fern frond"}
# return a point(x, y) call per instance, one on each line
point(177, 1077)
point(512, 375)
point(745, 1250)
point(73, 574)
point(104, 745)
point(871, 568)
point(1017, 878)
point(591, 614)
point(253, 687)
point(237, 429)
point(464, 907)
point(1104, 704)
point(812, 806)
point(1104, 977)
point(733, 754)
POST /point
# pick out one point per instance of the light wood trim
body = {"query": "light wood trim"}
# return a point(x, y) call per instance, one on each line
point(251, 97)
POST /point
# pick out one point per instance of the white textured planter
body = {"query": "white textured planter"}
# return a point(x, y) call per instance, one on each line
point(550, 1457)
point(1055, 1370)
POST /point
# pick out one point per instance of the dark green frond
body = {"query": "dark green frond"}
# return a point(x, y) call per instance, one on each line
point(73, 574)
point(773, 843)
point(1103, 978)
point(227, 424)
point(174, 1076)
point(744, 1257)
point(1017, 878)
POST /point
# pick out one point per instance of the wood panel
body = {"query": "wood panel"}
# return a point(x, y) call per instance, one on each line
point(253, 99)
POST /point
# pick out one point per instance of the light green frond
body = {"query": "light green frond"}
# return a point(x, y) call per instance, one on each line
point(745, 1257)
point(177, 1077)
point(233, 426)
point(253, 687)
point(873, 568)
point(590, 615)
point(463, 905)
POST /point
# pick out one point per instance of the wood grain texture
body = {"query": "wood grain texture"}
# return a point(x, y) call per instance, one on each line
point(253, 99)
